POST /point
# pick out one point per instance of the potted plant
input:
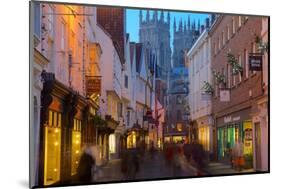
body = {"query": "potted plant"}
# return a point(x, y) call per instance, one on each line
point(236, 67)
point(262, 46)
point(219, 78)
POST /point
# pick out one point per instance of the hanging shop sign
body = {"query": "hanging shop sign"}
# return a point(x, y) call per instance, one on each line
point(255, 61)
point(224, 95)
point(93, 85)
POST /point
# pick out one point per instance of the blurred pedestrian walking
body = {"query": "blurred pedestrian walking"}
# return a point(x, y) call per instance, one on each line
point(198, 156)
point(130, 163)
point(85, 173)
point(237, 153)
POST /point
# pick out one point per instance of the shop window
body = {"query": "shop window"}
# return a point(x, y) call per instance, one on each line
point(76, 145)
point(179, 127)
point(112, 143)
point(52, 148)
point(204, 136)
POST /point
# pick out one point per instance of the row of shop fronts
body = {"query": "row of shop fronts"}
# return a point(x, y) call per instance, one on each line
point(69, 122)
point(219, 135)
point(231, 129)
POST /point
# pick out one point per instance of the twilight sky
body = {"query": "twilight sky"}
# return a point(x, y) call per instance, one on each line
point(132, 18)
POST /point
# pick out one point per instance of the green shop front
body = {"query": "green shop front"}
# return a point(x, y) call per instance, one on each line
point(232, 128)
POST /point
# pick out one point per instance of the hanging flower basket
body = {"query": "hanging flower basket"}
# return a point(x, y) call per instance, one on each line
point(219, 78)
point(236, 67)
point(207, 88)
point(262, 46)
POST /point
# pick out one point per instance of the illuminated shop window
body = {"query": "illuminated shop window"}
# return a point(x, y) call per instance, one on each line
point(52, 148)
point(112, 143)
point(204, 137)
point(179, 127)
point(76, 145)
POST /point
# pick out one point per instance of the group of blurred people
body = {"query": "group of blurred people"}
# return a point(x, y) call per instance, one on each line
point(185, 157)
point(181, 157)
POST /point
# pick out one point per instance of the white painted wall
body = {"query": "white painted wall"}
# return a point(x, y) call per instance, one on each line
point(110, 72)
point(199, 71)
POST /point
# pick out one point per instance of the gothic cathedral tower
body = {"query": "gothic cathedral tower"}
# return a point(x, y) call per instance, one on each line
point(184, 38)
point(155, 35)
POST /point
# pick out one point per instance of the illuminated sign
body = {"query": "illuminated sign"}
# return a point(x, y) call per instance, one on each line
point(93, 85)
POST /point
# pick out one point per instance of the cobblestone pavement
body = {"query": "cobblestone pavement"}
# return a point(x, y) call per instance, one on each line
point(155, 168)
point(150, 168)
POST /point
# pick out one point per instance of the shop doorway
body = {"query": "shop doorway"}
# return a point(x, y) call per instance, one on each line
point(258, 145)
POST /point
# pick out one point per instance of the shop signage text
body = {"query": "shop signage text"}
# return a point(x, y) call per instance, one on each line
point(255, 62)
point(228, 119)
point(93, 85)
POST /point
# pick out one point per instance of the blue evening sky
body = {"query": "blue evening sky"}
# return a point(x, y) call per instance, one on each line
point(132, 21)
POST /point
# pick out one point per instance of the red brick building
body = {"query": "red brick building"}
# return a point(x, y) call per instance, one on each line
point(113, 21)
point(234, 98)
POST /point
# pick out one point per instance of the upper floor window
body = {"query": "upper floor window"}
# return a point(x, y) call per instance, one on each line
point(50, 19)
point(240, 63)
point(246, 66)
point(219, 42)
point(120, 109)
point(228, 32)
point(126, 81)
point(37, 19)
point(233, 25)
point(239, 21)
point(253, 51)
point(223, 39)
point(228, 75)
point(63, 25)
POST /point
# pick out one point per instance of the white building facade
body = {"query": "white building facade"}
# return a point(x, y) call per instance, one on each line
point(199, 63)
